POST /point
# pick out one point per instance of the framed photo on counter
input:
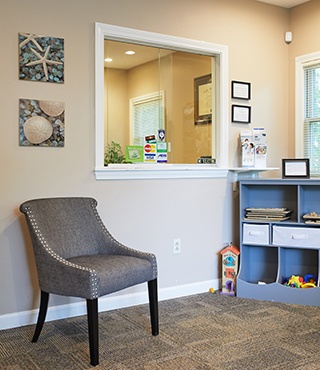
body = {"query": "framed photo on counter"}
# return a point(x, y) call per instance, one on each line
point(296, 168)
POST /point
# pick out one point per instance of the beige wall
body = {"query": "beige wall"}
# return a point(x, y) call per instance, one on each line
point(190, 141)
point(197, 211)
point(116, 106)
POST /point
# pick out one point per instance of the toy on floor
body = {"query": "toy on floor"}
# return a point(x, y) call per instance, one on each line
point(229, 269)
point(308, 281)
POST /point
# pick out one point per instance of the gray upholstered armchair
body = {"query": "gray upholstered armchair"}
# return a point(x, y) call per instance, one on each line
point(76, 256)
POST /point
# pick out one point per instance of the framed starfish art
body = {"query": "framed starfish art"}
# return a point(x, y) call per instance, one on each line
point(41, 58)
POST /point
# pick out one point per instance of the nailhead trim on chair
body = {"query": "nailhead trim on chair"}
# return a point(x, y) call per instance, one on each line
point(93, 274)
point(154, 260)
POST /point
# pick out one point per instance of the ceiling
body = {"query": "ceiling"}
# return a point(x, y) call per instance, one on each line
point(143, 54)
point(284, 3)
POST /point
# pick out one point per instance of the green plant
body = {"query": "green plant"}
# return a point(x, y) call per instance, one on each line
point(113, 154)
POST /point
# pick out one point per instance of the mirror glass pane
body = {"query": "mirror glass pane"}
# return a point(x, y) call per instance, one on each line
point(152, 89)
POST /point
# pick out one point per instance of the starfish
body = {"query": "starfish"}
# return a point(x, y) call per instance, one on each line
point(30, 37)
point(43, 60)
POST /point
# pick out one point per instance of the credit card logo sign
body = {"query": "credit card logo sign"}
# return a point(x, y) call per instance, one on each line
point(150, 148)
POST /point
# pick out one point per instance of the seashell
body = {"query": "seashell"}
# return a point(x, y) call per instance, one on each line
point(51, 108)
point(37, 129)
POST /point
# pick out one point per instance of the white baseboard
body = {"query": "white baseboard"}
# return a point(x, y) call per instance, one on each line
point(106, 303)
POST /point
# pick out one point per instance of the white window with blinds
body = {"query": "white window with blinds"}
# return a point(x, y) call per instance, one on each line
point(146, 116)
point(311, 125)
point(308, 110)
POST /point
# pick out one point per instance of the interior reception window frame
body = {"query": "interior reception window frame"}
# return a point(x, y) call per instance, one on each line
point(148, 171)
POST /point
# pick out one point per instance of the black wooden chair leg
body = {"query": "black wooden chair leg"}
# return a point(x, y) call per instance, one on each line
point(92, 313)
point(153, 304)
point(44, 299)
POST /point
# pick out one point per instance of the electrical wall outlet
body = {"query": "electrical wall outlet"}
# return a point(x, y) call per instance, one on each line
point(176, 246)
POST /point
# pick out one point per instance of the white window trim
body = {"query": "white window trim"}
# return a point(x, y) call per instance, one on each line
point(144, 171)
point(301, 62)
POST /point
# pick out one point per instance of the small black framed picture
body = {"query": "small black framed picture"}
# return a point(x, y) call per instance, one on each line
point(240, 90)
point(241, 114)
point(296, 168)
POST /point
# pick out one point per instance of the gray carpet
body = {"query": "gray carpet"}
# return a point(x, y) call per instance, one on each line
point(204, 331)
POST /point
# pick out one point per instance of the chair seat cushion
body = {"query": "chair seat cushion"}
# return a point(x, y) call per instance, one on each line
point(116, 272)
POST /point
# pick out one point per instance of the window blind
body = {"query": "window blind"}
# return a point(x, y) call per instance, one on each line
point(147, 118)
point(311, 127)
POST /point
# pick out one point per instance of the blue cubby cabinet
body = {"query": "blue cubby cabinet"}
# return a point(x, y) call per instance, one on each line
point(271, 251)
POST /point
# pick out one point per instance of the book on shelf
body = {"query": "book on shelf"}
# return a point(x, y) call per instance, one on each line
point(312, 218)
point(268, 214)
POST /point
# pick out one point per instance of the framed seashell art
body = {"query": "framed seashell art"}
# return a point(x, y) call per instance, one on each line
point(41, 58)
point(41, 123)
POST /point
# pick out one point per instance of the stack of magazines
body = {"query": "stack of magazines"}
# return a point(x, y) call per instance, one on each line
point(268, 214)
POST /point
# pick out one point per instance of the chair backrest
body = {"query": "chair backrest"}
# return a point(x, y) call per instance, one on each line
point(70, 227)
